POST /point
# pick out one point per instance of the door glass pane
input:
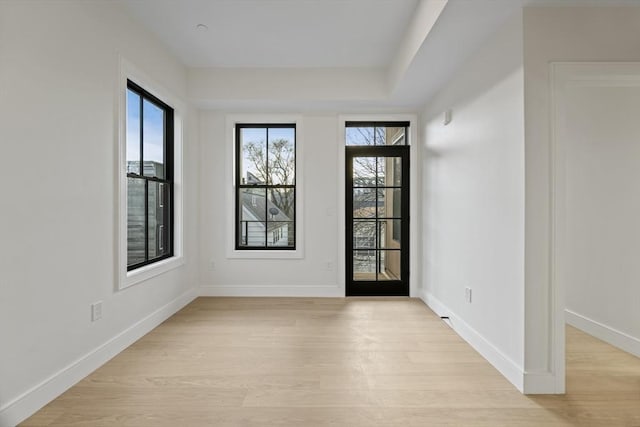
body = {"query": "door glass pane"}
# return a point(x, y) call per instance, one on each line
point(364, 202)
point(133, 132)
point(395, 164)
point(253, 162)
point(389, 265)
point(382, 234)
point(382, 206)
point(364, 171)
point(396, 232)
point(153, 139)
point(364, 265)
point(364, 234)
point(135, 221)
point(281, 157)
point(381, 170)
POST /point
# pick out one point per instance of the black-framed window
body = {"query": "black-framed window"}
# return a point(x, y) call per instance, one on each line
point(376, 133)
point(149, 168)
point(265, 186)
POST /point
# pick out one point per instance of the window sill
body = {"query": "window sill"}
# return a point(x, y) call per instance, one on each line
point(265, 254)
point(148, 271)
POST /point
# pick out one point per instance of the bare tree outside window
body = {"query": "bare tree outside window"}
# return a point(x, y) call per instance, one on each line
point(266, 174)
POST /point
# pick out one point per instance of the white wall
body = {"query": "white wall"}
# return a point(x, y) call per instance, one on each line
point(58, 78)
point(557, 34)
point(319, 143)
point(473, 201)
point(597, 129)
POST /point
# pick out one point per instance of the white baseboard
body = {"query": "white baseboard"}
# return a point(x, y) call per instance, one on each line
point(32, 400)
point(606, 333)
point(507, 367)
point(330, 291)
point(541, 383)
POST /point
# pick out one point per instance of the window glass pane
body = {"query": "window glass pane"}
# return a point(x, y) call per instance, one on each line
point(133, 132)
point(253, 161)
point(380, 136)
point(152, 220)
point(396, 136)
point(360, 136)
point(135, 221)
point(375, 135)
point(364, 171)
point(153, 139)
point(164, 224)
point(281, 204)
point(252, 224)
point(280, 233)
point(282, 166)
point(157, 219)
point(252, 204)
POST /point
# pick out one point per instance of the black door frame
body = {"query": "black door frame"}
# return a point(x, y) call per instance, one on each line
point(373, 287)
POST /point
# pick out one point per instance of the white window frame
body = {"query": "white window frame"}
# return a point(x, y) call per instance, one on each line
point(125, 278)
point(232, 252)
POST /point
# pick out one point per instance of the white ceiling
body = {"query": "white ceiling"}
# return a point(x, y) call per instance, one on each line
point(330, 55)
point(278, 33)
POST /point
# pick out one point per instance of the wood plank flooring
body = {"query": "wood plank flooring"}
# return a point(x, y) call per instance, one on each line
point(333, 362)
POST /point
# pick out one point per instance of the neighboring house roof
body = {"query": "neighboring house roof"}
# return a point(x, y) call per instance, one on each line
point(255, 204)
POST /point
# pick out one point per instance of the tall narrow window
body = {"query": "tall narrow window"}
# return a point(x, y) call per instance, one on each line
point(149, 134)
point(265, 186)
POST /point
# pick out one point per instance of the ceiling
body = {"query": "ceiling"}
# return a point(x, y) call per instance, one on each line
point(278, 33)
point(325, 55)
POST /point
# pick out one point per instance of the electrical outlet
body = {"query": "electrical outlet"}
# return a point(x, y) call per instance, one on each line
point(212, 266)
point(329, 265)
point(467, 295)
point(96, 311)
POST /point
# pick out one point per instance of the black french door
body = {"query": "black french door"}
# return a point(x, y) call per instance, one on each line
point(377, 216)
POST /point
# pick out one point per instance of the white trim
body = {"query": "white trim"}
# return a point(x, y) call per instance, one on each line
point(564, 74)
point(329, 291)
point(507, 367)
point(415, 165)
point(229, 182)
point(556, 357)
point(606, 333)
point(35, 398)
point(540, 383)
point(125, 279)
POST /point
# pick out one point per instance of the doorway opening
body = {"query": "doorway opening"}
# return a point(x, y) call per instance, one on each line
point(377, 209)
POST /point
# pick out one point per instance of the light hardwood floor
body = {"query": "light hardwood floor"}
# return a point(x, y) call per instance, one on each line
point(333, 362)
